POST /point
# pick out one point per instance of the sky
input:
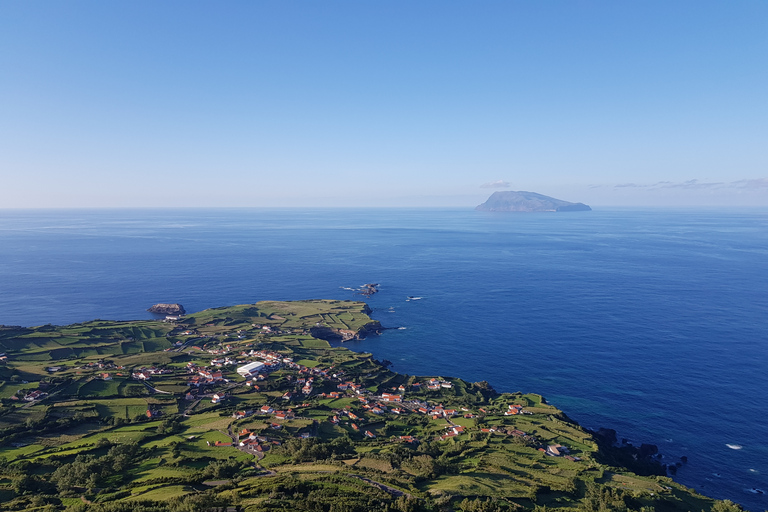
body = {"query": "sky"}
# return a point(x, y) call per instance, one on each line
point(396, 103)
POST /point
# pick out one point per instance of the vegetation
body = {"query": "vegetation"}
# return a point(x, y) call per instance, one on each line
point(152, 416)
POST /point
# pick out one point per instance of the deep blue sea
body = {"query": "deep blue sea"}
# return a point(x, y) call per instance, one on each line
point(651, 322)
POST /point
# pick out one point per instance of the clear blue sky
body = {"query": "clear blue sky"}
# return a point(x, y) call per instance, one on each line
point(334, 103)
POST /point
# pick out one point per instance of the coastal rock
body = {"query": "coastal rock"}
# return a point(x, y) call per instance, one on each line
point(167, 309)
point(606, 435)
point(511, 201)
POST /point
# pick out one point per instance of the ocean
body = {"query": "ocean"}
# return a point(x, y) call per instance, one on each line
point(650, 322)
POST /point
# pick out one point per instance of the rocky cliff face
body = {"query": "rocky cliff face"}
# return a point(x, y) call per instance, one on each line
point(510, 201)
point(167, 309)
point(327, 333)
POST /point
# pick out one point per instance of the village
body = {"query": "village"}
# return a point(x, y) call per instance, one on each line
point(231, 374)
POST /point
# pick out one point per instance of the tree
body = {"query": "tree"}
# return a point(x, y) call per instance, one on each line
point(726, 506)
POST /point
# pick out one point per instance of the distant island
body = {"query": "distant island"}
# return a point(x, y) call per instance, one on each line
point(511, 201)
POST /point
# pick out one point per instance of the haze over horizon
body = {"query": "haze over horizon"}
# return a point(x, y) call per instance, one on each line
point(340, 103)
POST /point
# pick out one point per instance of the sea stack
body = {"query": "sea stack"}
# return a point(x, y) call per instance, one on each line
point(511, 201)
point(167, 309)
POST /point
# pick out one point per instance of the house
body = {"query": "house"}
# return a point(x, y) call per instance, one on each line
point(370, 434)
point(213, 376)
point(34, 395)
point(284, 415)
point(218, 397)
point(354, 426)
point(265, 409)
point(556, 450)
point(389, 397)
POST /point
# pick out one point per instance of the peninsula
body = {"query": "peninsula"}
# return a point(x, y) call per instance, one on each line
point(244, 407)
point(510, 201)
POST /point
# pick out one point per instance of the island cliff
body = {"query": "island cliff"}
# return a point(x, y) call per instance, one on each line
point(511, 201)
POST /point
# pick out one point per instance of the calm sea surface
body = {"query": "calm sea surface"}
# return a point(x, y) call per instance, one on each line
point(654, 323)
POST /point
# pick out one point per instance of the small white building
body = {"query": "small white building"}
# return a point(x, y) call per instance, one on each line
point(250, 369)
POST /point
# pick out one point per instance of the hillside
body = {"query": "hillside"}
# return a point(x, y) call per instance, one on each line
point(153, 416)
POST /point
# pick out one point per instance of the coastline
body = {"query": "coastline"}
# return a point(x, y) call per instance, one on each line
point(537, 429)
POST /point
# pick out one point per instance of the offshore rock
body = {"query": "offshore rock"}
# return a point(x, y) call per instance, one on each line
point(167, 309)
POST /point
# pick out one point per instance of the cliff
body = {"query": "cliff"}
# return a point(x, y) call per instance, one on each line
point(324, 332)
point(511, 201)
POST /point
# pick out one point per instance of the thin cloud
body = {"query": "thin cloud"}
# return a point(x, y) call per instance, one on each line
point(496, 184)
point(751, 184)
point(696, 184)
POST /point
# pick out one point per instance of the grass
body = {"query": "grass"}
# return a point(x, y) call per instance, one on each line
point(99, 387)
point(11, 454)
point(159, 492)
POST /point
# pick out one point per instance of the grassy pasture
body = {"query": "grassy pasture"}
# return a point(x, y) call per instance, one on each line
point(100, 388)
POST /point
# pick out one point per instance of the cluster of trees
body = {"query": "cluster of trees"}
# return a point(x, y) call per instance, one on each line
point(312, 449)
point(484, 505)
point(91, 471)
point(334, 493)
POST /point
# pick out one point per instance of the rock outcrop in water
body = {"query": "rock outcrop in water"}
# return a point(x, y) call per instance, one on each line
point(167, 309)
point(510, 201)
